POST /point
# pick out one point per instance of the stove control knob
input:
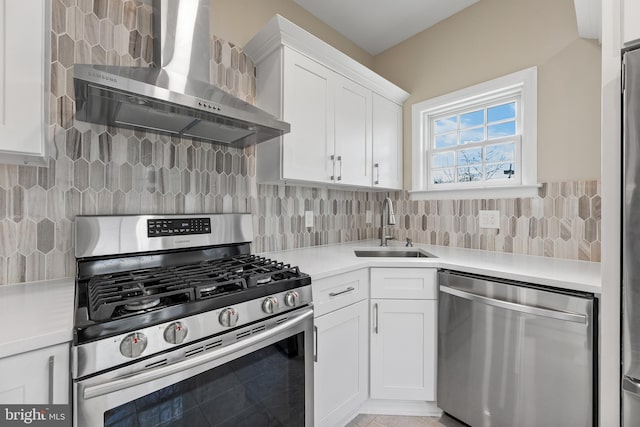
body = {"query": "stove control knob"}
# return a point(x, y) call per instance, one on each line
point(228, 317)
point(270, 305)
point(133, 345)
point(291, 299)
point(175, 333)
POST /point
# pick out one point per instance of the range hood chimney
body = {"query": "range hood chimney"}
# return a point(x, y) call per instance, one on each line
point(176, 98)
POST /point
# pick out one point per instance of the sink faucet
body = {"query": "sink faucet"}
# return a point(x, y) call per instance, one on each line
point(391, 221)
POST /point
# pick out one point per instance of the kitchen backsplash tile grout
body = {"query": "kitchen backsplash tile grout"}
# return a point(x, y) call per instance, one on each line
point(95, 169)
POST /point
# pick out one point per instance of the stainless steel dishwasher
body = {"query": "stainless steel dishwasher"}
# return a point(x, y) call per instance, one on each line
point(514, 354)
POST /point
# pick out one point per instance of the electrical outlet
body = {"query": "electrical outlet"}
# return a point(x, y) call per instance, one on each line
point(489, 219)
point(308, 219)
point(368, 216)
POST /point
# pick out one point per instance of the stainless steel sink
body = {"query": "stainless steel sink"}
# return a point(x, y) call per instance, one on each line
point(390, 253)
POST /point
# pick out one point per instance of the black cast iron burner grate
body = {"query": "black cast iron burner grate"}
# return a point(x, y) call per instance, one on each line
point(123, 294)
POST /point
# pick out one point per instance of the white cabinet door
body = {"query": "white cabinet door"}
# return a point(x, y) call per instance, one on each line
point(308, 105)
point(353, 134)
point(630, 20)
point(24, 65)
point(341, 369)
point(387, 143)
point(403, 349)
point(36, 377)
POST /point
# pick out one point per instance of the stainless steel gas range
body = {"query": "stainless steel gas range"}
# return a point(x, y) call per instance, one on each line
point(177, 323)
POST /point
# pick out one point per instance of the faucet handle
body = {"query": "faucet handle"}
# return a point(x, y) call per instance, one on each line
point(409, 243)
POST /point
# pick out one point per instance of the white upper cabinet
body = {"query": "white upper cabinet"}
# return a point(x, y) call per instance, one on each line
point(387, 151)
point(589, 18)
point(24, 65)
point(307, 150)
point(630, 20)
point(330, 101)
point(353, 133)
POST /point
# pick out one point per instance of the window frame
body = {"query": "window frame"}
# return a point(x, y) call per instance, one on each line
point(522, 85)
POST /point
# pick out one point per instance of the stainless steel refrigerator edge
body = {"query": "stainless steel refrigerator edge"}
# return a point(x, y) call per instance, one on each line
point(511, 354)
point(631, 240)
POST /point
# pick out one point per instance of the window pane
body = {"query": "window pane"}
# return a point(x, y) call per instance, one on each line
point(469, 173)
point(446, 140)
point(445, 125)
point(499, 152)
point(472, 135)
point(470, 157)
point(442, 160)
point(501, 112)
point(501, 130)
point(443, 176)
point(474, 118)
point(497, 171)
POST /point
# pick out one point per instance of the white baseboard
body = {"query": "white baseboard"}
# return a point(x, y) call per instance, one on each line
point(347, 419)
point(400, 407)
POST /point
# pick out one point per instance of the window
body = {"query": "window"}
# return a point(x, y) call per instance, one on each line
point(477, 142)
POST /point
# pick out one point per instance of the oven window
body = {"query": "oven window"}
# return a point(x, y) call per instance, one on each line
point(263, 388)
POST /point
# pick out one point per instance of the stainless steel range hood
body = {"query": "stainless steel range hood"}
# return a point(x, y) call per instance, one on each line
point(176, 98)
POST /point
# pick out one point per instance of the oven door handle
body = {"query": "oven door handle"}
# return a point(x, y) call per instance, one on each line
point(160, 372)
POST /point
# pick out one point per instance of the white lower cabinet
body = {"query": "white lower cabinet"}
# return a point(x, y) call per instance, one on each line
point(372, 354)
point(402, 349)
point(403, 334)
point(36, 377)
point(341, 369)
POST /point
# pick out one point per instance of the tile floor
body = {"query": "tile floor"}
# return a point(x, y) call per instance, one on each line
point(367, 420)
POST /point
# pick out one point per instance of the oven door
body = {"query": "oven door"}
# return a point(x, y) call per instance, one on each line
point(261, 376)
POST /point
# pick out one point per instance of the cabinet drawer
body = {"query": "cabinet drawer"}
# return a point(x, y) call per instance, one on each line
point(338, 291)
point(404, 283)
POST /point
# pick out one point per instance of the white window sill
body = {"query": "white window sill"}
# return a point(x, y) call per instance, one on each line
point(518, 191)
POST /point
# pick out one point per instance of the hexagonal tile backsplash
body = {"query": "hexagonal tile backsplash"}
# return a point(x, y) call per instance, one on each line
point(95, 169)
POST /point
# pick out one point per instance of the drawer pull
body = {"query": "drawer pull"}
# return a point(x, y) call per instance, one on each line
point(335, 294)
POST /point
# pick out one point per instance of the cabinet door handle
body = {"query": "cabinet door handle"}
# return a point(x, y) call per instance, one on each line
point(340, 169)
point(349, 289)
point(315, 349)
point(333, 168)
point(375, 317)
point(52, 362)
point(377, 166)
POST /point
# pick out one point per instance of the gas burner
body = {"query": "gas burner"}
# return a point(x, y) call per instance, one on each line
point(263, 280)
point(142, 305)
point(210, 291)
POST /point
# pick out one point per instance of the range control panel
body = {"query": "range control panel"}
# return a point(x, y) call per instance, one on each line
point(178, 227)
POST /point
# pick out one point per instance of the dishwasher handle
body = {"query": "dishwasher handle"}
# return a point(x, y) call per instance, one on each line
point(566, 316)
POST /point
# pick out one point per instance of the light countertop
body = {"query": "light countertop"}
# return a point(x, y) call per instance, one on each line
point(36, 315)
point(40, 314)
point(324, 261)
